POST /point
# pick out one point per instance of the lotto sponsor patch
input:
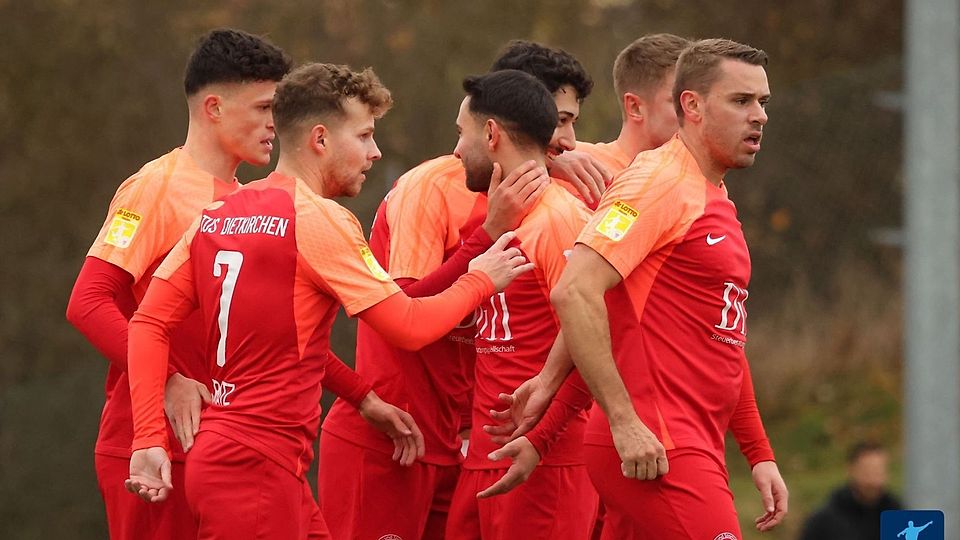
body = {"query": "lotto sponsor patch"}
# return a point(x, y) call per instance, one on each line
point(617, 221)
point(123, 228)
point(374, 265)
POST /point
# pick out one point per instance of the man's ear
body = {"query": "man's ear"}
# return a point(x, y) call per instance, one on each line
point(212, 106)
point(692, 104)
point(492, 133)
point(317, 141)
point(634, 107)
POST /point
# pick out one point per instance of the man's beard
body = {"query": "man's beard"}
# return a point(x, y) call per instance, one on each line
point(478, 171)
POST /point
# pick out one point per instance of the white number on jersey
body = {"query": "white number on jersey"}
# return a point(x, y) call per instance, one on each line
point(221, 391)
point(233, 260)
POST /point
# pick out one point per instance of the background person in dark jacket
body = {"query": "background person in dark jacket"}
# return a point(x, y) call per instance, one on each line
point(853, 510)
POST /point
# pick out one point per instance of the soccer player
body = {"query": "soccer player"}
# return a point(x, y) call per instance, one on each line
point(652, 310)
point(269, 267)
point(507, 118)
point(643, 77)
point(229, 83)
point(428, 220)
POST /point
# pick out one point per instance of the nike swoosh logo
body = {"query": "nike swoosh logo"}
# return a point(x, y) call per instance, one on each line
point(711, 241)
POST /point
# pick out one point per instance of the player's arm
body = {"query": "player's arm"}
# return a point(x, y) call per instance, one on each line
point(167, 302)
point(528, 403)
point(392, 421)
point(509, 200)
point(100, 307)
point(413, 323)
point(747, 429)
point(579, 303)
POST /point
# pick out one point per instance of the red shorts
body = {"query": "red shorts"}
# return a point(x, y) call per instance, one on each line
point(555, 503)
point(236, 493)
point(130, 517)
point(692, 501)
point(365, 494)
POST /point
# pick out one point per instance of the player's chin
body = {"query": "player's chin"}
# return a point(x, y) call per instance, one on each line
point(258, 159)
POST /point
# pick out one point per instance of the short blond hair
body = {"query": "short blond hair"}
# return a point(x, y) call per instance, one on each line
point(642, 66)
point(316, 91)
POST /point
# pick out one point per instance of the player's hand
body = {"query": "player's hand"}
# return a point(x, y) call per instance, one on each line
point(395, 423)
point(773, 493)
point(500, 263)
point(526, 406)
point(183, 399)
point(583, 172)
point(509, 199)
point(641, 454)
point(525, 459)
point(150, 474)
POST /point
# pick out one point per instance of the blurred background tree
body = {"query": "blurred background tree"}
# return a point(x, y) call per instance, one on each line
point(89, 91)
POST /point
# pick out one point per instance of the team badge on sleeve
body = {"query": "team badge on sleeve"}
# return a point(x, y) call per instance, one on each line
point(374, 265)
point(123, 228)
point(618, 221)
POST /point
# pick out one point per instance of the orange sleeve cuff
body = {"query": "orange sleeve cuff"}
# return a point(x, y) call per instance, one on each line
point(413, 323)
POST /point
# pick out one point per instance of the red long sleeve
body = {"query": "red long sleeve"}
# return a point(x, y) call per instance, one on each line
point(573, 397)
point(344, 382)
point(746, 425)
point(454, 267)
point(162, 309)
point(413, 323)
point(100, 306)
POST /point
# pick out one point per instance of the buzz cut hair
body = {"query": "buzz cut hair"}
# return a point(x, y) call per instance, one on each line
point(641, 67)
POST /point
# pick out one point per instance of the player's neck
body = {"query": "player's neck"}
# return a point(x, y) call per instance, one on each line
point(206, 152)
point(290, 165)
point(710, 169)
point(633, 139)
point(513, 158)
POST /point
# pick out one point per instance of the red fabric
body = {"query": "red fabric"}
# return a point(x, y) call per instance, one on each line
point(131, 518)
point(412, 323)
point(746, 425)
point(100, 306)
point(236, 492)
point(433, 384)
point(678, 319)
point(517, 327)
point(344, 382)
point(573, 397)
point(555, 503)
point(368, 495)
point(691, 501)
point(454, 267)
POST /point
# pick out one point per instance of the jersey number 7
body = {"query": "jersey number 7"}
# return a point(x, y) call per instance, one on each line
point(233, 260)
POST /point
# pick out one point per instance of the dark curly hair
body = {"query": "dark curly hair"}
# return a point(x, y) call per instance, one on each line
point(554, 67)
point(226, 55)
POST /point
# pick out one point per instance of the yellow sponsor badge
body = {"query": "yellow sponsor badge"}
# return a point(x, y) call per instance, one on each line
point(123, 228)
point(374, 265)
point(618, 221)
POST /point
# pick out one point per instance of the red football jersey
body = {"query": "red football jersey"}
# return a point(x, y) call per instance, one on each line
point(678, 318)
point(517, 327)
point(420, 224)
point(269, 267)
point(147, 217)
